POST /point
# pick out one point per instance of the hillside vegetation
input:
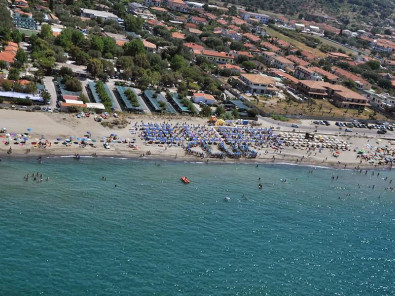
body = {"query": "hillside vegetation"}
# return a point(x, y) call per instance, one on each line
point(347, 10)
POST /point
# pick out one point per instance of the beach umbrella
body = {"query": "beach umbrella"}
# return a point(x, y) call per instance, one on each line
point(29, 129)
point(58, 139)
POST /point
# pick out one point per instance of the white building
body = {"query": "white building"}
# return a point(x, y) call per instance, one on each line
point(105, 15)
point(299, 27)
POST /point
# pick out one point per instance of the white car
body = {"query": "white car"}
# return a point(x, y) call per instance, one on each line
point(49, 109)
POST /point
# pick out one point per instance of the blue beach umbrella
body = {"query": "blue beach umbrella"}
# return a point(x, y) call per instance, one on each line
point(29, 129)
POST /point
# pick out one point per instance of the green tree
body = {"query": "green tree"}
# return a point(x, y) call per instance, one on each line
point(205, 111)
point(177, 62)
point(38, 16)
point(30, 88)
point(73, 84)
point(6, 85)
point(21, 57)
point(235, 113)
point(83, 98)
point(248, 65)
point(133, 24)
point(65, 71)
point(97, 43)
point(125, 62)
point(3, 65)
point(46, 96)
point(220, 111)
point(95, 67)
point(134, 47)
point(13, 74)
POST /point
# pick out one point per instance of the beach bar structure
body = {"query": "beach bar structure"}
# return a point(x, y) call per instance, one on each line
point(126, 102)
point(176, 102)
point(153, 100)
point(20, 96)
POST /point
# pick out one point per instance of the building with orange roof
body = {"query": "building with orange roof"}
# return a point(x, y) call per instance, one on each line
point(243, 53)
point(360, 82)
point(218, 57)
point(311, 57)
point(339, 56)
point(284, 76)
point(149, 46)
point(332, 78)
point(190, 25)
point(194, 31)
point(222, 22)
point(9, 53)
point(297, 61)
point(178, 35)
point(338, 94)
point(271, 47)
point(238, 21)
point(252, 37)
point(304, 73)
point(210, 16)
point(153, 23)
point(198, 20)
point(233, 27)
point(203, 98)
point(234, 69)
point(255, 83)
point(177, 5)
point(283, 44)
point(194, 46)
point(282, 63)
point(269, 56)
point(159, 9)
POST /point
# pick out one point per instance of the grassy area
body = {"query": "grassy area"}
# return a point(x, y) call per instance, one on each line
point(28, 32)
point(335, 45)
point(319, 108)
point(294, 42)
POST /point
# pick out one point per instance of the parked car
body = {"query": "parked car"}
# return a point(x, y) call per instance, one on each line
point(381, 132)
point(348, 130)
point(294, 125)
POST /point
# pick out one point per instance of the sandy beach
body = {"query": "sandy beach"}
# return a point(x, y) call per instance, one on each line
point(56, 127)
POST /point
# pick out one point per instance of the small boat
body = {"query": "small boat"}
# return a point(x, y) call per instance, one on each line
point(227, 199)
point(185, 180)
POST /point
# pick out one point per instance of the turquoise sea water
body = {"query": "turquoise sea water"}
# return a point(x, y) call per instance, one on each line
point(153, 235)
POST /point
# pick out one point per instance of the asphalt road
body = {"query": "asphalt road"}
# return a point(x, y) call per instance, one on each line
point(309, 126)
point(50, 86)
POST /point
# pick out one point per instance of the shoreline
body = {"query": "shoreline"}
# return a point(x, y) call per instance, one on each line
point(193, 159)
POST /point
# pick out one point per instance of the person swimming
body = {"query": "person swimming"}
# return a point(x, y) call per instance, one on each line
point(260, 186)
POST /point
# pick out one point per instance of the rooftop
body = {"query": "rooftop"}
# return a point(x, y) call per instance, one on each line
point(258, 78)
